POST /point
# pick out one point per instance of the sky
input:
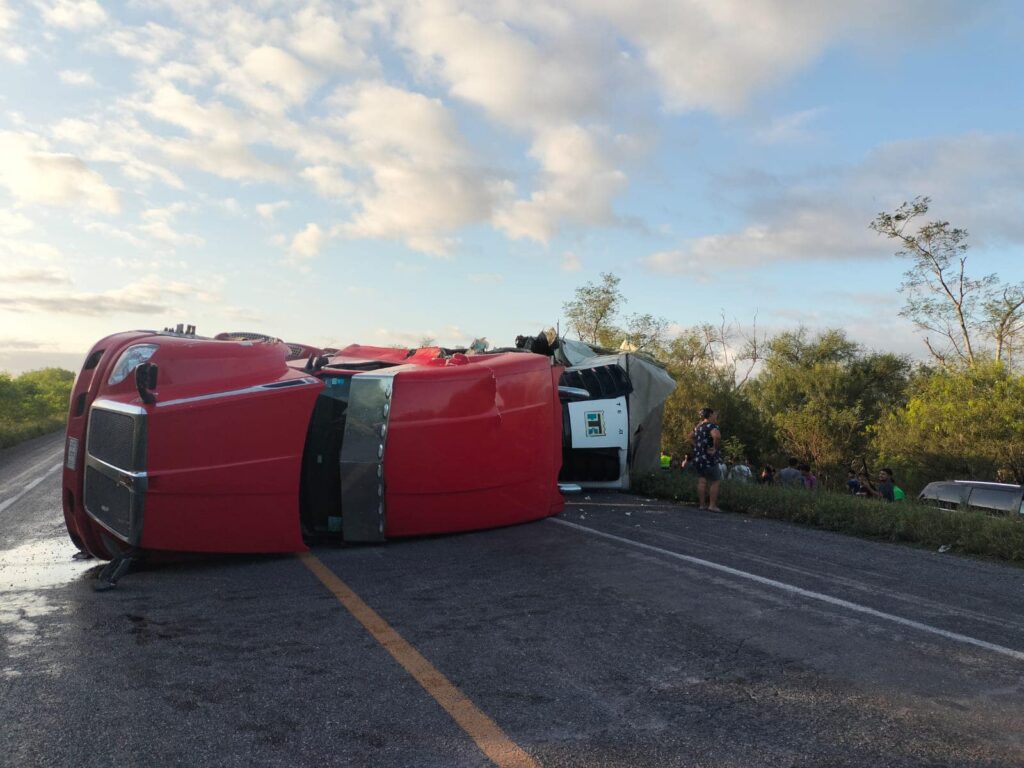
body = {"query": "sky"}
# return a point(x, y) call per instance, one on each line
point(379, 172)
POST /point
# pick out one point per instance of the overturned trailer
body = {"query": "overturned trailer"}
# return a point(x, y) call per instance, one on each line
point(242, 443)
point(616, 430)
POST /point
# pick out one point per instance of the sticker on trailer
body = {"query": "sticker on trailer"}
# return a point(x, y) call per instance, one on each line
point(599, 423)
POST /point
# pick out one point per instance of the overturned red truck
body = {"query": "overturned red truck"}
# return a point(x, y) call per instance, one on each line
point(242, 443)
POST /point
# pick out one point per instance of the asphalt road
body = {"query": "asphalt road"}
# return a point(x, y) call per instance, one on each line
point(624, 633)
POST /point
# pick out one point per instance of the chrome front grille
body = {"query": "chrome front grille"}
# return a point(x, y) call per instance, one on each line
point(109, 502)
point(112, 438)
point(115, 468)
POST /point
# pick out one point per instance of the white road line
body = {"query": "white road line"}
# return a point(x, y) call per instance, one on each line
point(955, 636)
point(4, 505)
point(34, 468)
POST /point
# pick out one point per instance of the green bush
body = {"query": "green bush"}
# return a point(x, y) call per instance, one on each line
point(908, 521)
point(33, 404)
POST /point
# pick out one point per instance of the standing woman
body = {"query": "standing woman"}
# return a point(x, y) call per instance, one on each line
point(706, 441)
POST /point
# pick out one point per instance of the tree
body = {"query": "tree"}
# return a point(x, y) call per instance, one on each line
point(646, 333)
point(960, 422)
point(591, 313)
point(33, 403)
point(46, 391)
point(1004, 320)
point(941, 298)
point(742, 426)
point(711, 365)
point(822, 394)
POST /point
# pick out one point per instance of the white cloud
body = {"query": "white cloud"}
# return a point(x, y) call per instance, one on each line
point(269, 210)
point(13, 53)
point(149, 43)
point(307, 243)
point(108, 230)
point(158, 224)
point(48, 275)
point(238, 93)
point(13, 223)
point(321, 38)
point(793, 127)
point(974, 180)
point(33, 174)
point(8, 25)
point(9, 345)
point(328, 181)
point(218, 143)
point(485, 278)
point(22, 251)
point(73, 14)
point(216, 121)
point(577, 184)
point(714, 54)
point(805, 234)
point(544, 69)
point(122, 144)
point(520, 80)
point(229, 160)
point(551, 68)
point(148, 296)
point(8, 18)
point(422, 183)
point(76, 77)
point(571, 262)
point(227, 204)
point(76, 131)
point(270, 79)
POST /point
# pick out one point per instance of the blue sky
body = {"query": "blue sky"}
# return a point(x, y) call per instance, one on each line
point(379, 172)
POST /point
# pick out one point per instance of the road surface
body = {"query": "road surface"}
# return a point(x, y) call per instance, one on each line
point(626, 632)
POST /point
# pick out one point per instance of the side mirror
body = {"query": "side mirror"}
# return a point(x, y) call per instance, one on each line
point(145, 382)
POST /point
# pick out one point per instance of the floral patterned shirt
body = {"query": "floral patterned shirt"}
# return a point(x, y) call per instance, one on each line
point(703, 442)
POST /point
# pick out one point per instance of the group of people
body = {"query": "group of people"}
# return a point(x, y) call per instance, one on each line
point(795, 475)
point(706, 460)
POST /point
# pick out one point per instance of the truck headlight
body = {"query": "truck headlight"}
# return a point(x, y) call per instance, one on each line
point(129, 360)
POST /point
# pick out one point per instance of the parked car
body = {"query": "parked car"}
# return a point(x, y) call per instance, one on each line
point(994, 498)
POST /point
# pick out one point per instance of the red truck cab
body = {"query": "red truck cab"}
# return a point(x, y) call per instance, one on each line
point(182, 443)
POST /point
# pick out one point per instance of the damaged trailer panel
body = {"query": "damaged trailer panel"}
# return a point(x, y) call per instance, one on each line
point(616, 431)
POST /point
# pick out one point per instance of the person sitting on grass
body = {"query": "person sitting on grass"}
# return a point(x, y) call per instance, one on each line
point(791, 477)
point(741, 471)
point(865, 488)
point(886, 489)
point(809, 480)
point(852, 483)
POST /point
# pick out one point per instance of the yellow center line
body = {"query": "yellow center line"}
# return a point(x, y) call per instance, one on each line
point(488, 736)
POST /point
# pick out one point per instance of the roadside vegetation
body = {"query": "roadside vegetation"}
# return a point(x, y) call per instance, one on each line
point(963, 531)
point(33, 403)
point(829, 401)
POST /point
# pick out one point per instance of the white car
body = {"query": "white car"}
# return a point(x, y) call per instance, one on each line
point(994, 498)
